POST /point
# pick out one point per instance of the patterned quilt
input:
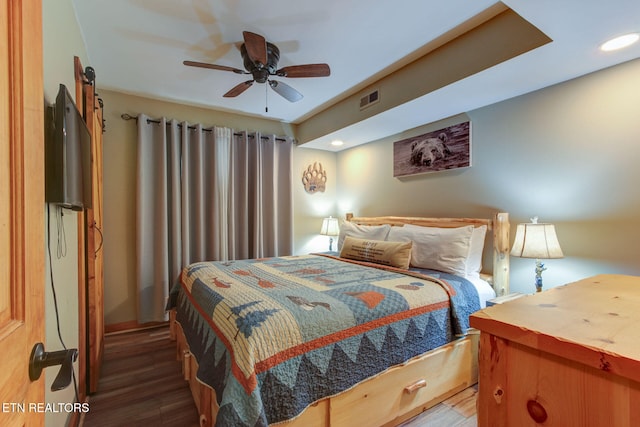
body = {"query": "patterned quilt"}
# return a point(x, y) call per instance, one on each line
point(272, 336)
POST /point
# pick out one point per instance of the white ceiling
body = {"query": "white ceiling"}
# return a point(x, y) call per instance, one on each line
point(137, 47)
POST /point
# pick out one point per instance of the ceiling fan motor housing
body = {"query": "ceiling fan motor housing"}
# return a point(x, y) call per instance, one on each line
point(261, 74)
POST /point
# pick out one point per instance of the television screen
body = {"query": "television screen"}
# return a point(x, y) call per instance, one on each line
point(68, 155)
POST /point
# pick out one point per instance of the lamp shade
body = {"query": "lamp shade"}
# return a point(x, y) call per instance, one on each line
point(536, 241)
point(330, 227)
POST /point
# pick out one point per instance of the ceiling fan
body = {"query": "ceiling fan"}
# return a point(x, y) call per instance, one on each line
point(260, 59)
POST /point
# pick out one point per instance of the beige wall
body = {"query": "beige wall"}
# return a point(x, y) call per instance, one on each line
point(564, 153)
point(59, 49)
point(311, 208)
point(120, 184)
point(567, 153)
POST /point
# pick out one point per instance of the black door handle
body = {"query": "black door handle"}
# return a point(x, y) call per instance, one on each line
point(40, 359)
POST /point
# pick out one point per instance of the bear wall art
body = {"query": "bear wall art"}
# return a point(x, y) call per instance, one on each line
point(447, 148)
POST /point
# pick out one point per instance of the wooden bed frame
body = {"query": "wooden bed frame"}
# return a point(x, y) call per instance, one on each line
point(400, 392)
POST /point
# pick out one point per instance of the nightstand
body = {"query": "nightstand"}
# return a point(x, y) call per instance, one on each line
point(568, 356)
point(504, 298)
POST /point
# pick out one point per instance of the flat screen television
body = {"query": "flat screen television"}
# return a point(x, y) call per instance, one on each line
point(67, 155)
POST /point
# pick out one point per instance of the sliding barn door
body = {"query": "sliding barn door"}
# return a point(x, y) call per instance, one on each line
point(21, 208)
point(90, 254)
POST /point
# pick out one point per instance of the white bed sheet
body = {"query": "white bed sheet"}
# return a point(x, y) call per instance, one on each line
point(485, 291)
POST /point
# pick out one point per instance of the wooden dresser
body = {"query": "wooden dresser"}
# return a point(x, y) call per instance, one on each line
point(569, 356)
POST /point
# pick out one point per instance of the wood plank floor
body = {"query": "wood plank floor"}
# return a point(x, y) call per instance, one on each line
point(141, 385)
point(457, 411)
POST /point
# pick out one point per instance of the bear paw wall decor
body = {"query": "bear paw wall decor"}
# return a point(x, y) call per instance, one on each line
point(314, 178)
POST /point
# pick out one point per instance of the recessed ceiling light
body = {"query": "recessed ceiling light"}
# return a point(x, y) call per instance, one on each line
point(337, 143)
point(620, 42)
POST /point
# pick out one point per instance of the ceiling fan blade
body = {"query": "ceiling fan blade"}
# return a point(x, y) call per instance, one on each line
point(213, 66)
point(256, 47)
point(238, 89)
point(286, 91)
point(308, 70)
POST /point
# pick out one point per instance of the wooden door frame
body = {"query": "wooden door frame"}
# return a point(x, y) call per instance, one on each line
point(26, 221)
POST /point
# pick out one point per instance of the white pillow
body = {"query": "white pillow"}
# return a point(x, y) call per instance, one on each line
point(370, 232)
point(442, 249)
point(474, 261)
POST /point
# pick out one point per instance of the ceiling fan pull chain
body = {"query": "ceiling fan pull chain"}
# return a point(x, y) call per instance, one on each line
point(266, 99)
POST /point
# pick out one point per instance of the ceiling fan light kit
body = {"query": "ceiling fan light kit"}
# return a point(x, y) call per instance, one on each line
point(260, 59)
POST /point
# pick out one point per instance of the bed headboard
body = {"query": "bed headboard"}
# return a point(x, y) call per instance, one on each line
point(497, 234)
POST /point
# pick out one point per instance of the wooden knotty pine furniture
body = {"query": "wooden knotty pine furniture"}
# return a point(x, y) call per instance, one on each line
point(566, 357)
point(401, 392)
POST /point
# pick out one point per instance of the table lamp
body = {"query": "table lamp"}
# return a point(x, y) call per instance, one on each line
point(539, 241)
point(330, 228)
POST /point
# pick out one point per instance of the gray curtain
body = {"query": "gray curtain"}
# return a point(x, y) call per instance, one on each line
point(206, 194)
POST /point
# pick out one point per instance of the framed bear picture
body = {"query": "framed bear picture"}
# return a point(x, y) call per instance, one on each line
point(443, 149)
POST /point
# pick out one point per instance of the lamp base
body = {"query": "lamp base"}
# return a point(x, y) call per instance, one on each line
point(539, 269)
point(330, 244)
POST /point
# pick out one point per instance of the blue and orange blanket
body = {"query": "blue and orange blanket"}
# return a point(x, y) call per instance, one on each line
point(272, 336)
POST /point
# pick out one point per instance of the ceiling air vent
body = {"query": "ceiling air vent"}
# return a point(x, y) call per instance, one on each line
point(369, 99)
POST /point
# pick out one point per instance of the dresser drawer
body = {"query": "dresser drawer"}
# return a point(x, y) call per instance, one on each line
point(417, 383)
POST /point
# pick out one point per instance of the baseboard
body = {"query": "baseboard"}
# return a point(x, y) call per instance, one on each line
point(131, 325)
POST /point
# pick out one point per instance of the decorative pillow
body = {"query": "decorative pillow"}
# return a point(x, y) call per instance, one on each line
point(474, 260)
point(442, 249)
point(395, 254)
point(371, 232)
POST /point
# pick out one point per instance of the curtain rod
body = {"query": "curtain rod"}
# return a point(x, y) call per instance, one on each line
point(126, 116)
